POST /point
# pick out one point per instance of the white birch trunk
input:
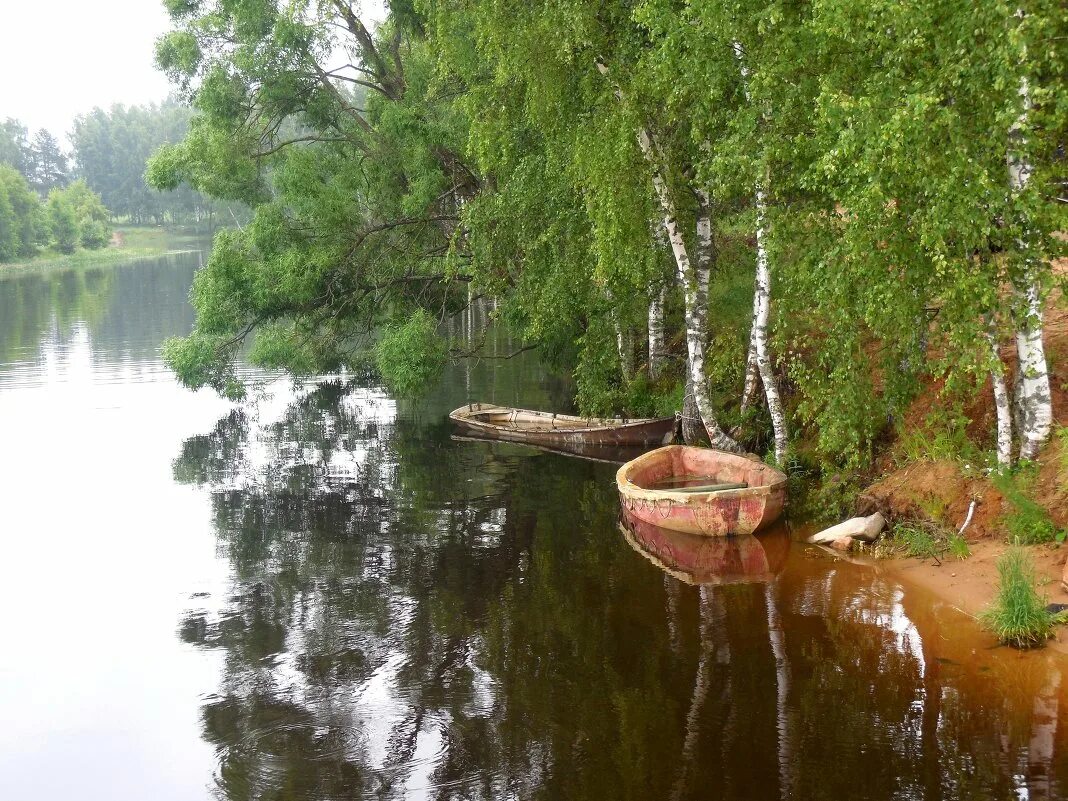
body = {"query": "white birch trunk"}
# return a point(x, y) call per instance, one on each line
point(693, 282)
point(1035, 404)
point(752, 373)
point(695, 310)
point(1002, 404)
point(624, 342)
point(758, 346)
point(657, 349)
point(761, 308)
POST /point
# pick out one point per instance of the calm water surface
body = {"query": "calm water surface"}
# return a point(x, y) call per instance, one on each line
point(319, 594)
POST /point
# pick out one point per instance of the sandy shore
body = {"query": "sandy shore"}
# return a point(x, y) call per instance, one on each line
point(970, 584)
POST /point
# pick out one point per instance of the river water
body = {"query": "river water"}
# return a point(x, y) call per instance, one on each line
point(317, 593)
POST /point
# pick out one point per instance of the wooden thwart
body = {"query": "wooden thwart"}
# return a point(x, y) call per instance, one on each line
point(730, 485)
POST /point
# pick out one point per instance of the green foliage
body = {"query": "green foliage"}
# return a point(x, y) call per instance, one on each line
point(958, 547)
point(22, 220)
point(196, 362)
point(410, 355)
point(63, 221)
point(921, 540)
point(1018, 615)
point(1026, 522)
point(915, 540)
point(492, 147)
point(112, 148)
point(942, 437)
point(93, 218)
point(76, 217)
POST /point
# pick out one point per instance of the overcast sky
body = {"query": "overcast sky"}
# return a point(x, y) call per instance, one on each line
point(60, 58)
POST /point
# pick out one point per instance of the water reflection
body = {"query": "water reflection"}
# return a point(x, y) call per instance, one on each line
point(708, 560)
point(417, 617)
point(319, 594)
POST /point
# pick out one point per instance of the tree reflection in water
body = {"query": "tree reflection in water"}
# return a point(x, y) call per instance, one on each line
point(416, 617)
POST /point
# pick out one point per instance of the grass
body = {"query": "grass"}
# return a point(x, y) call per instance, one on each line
point(922, 541)
point(139, 242)
point(1018, 614)
point(1026, 522)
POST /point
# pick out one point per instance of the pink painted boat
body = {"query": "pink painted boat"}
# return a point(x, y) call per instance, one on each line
point(709, 560)
point(744, 509)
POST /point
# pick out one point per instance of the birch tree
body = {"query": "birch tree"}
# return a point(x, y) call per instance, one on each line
point(1033, 399)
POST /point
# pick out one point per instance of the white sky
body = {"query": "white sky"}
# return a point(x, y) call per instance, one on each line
point(60, 58)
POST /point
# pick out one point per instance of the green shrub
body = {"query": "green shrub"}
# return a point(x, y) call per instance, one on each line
point(1018, 615)
point(917, 541)
point(1027, 522)
point(923, 541)
point(942, 437)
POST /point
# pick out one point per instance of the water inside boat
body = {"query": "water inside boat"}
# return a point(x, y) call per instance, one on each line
point(687, 482)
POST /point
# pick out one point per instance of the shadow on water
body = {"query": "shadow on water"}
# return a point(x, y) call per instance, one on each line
point(415, 616)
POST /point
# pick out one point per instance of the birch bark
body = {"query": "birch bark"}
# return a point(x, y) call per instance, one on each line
point(759, 353)
point(657, 298)
point(624, 342)
point(1002, 404)
point(1034, 401)
point(696, 304)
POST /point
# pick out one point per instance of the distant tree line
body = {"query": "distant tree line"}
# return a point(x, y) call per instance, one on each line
point(110, 150)
point(39, 159)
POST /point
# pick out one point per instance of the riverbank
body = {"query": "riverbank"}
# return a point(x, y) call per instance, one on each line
point(971, 584)
point(127, 242)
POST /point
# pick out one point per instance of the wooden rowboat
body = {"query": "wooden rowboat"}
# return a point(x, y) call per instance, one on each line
point(713, 513)
point(488, 421)
point(708, 560)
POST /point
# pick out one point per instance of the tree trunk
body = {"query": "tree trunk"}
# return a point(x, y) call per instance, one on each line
point(761, 309)
point(691, 286)
point(657, 350)
point(752, 372)
point(693, 431)
point(1002, 405)
point(758, 347)
point(692, 281)
point(1035, 405)
point(624, 341)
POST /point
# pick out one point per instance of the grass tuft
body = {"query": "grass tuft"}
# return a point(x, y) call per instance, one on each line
point(1027, 522)
point(921, 540)
point(1018, 615)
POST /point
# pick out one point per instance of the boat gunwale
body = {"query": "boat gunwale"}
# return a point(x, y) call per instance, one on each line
point(633, 491)
point(465, 414)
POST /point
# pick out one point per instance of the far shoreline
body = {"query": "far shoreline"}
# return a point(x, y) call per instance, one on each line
point(128, 243)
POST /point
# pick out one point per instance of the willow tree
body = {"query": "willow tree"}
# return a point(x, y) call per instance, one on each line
point(333, 135)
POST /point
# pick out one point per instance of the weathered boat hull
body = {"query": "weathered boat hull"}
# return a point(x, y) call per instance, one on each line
point(711, 514)
point(488, 421)
point(708, 560)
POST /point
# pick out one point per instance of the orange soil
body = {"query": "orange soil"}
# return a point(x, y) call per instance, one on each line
point(970, 585)
point(939, 492)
